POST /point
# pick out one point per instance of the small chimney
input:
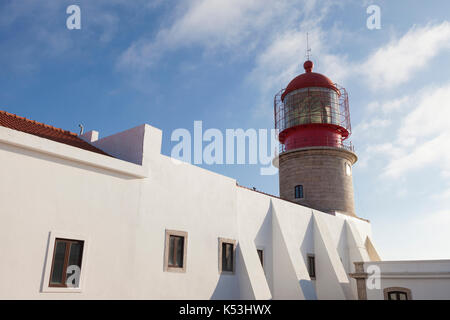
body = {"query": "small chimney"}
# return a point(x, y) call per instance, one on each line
point(90, 136)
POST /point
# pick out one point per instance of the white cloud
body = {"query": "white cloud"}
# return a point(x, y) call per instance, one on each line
point(430, 117)
point(443, 195)
point(211, 24)
point(414, 241)
point(434, 152)
point(43, 34)
point(374, 123)
point(282, 58)
point(390, 106)
point(240, 26)
point(398, 61)
point(381, 150)
point(422, 139)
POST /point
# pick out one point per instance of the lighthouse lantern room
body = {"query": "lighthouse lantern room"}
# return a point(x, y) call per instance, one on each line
point(312, 111)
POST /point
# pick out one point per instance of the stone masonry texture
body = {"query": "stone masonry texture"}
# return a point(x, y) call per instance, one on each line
point(321, 171)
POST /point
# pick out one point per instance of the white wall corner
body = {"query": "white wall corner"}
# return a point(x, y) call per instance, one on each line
point(152, 142)
point(90, 136)
point(136, 145)
point(287, 275)
point(332, 281)
point(372, 252)
point(356, 251)
point(356, 247)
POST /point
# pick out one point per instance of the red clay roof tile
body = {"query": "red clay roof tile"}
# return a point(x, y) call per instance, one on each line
point(46, 131)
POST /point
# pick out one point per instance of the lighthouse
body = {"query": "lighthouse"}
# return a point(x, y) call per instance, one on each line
point(315, 160)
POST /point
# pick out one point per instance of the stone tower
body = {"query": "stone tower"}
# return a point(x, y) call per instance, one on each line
point(315, 165)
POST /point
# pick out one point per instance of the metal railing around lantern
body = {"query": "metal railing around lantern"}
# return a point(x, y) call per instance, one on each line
point(313, 106)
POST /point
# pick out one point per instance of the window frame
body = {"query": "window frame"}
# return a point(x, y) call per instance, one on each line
point(66, 261)
point(48, 268)
point(310, 256)
point(227, 241)
point(301, 191)
point(175, 233)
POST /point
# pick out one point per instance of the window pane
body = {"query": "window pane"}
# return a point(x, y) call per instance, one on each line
point(397, 295)
point(179, 251)
point(227, 257)
point(171, 251)
point(299, 192)
point(58, 262)
point(76, 251)
point(176, 251)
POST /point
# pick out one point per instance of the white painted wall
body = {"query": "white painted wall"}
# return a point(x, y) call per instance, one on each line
point(427, 279)
point(122, 209)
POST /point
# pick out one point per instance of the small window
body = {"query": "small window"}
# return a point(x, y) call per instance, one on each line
point(311, 266)
point(66, 263)
point(299, 192)
point(227, 257)
point(261, 256)
point(348, 169)
point(227, 252)
point(175, 251)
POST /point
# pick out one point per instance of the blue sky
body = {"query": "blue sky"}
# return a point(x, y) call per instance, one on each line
point(169, 63)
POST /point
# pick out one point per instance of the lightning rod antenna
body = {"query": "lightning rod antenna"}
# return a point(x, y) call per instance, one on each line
point(308, 49)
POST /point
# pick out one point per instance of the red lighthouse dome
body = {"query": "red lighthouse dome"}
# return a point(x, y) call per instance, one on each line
point(312, 111)
point(309, 79)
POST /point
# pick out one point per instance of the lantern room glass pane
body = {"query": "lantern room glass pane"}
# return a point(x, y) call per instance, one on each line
point(311, 105)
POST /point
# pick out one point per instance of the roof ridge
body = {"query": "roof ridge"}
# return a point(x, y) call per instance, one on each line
point(38, 123)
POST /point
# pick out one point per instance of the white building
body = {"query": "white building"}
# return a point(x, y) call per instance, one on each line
point(143, 226)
